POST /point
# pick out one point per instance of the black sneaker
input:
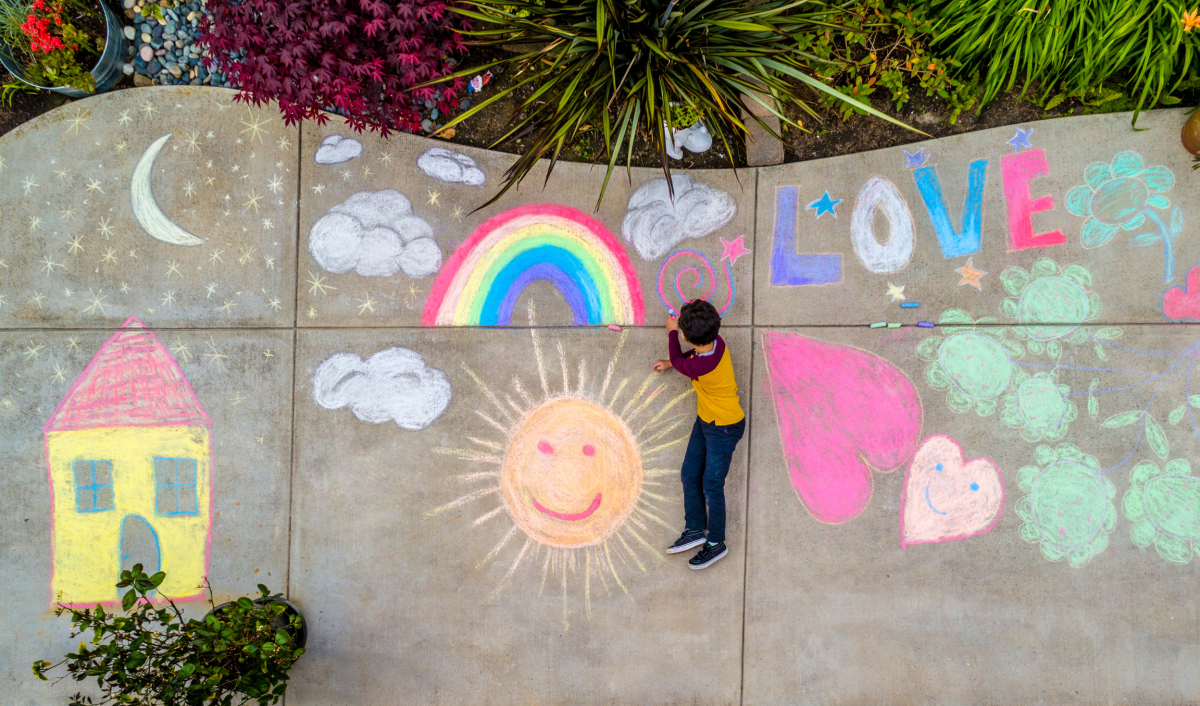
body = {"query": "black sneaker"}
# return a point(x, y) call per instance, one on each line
point(708, 555)
point(689, 539)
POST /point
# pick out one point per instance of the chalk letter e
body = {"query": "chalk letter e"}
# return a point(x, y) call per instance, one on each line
point(1018, 170)
point(789, 269)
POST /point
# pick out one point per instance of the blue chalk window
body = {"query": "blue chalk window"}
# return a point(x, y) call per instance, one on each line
point(175, 486)
point(93, 486)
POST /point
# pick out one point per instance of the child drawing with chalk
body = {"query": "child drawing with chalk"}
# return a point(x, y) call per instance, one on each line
point(720, 423)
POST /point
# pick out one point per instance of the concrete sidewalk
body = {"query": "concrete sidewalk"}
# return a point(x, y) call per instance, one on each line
point(298, 356)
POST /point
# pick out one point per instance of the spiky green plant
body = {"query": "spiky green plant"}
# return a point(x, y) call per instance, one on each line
point(1069, 45)
point(621, 64)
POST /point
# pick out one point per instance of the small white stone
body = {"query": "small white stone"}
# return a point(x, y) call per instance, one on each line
point(130, 33)
point(128, 69)
point(147, 52)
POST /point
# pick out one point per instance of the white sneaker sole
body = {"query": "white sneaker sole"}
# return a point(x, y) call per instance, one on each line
point(685, 547)
point(710, 562)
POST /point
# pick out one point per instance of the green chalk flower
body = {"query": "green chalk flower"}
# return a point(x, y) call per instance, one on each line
point(973, 364)
point(1068, 508)
point(1165, 509)
point(1123, 195)
point(1051, 305)
point(1039, 406)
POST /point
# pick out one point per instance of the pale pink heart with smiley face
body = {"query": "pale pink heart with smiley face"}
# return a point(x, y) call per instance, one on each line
point(945, 498)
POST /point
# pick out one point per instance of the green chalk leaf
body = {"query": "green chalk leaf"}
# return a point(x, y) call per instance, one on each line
point(1123, 419)
point(1100, 352)
point(1108, 333)
point(1093, 403)
point(1156, 438)
point(1144, 240)
point(1194, 401)
point(1176, 414)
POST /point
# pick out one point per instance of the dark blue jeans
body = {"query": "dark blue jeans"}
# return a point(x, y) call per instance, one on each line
point(705, 466)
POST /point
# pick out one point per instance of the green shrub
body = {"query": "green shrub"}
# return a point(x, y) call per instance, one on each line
point(620, 64)
point(1072, 47)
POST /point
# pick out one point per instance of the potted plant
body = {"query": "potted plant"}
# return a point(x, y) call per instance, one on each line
point(240, 651)
point(70, 47)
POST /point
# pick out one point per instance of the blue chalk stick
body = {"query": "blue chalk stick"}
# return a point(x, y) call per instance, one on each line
point(924, 324)
point(909, 305)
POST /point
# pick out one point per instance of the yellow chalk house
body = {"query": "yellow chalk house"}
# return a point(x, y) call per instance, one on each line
point(129, 451)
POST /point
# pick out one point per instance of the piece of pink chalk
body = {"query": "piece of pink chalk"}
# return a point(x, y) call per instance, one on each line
point(614, 327)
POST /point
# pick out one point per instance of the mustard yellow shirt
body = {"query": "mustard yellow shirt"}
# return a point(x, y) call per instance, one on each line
point(712, 379)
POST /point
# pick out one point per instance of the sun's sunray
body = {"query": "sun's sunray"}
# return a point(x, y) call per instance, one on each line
point(612, 568)
point(667, 407)
point(612, 363)
point(484, 518)
point(545, 572)
point(644, 403)
point(537, 356)
point(657, 472)
point(653, 552)
point(651, 516)
point(587, 586)
point(600, 574)
point(520, 389)
point(562, 359)
point(629, 550)
point(469, 497)
point(513, 568)
point(475, 477)
point(487, 391)
point(664, 432)
point(503, 429)
point(637, 395)
point(582, 376)
point(486, 443)
point(499, 545)
point(660, 447)
point(516, 407)
point(468, 455)
point(653, 496)
point(616, 393)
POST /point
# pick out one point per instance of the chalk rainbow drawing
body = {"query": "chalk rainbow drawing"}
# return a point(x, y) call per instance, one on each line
point(482, 280)
point(129, 454)
point(699, 278)
point(945, 498)
point(842, 413)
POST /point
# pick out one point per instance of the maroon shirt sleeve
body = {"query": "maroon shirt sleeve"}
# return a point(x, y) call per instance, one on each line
point(689, 363)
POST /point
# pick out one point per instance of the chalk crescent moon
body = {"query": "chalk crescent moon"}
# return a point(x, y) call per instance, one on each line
point(145, 209)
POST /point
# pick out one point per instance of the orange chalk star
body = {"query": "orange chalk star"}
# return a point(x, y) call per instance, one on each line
point(1190, 20)
point(970, 275)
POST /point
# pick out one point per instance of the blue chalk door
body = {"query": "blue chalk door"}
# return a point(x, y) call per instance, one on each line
point(139, 545)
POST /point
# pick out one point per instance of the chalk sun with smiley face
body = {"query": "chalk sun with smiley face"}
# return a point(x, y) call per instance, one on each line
point(573, 470)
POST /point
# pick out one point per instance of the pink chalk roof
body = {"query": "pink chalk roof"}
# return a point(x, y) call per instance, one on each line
point(132, 381)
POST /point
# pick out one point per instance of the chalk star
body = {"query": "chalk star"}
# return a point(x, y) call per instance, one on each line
point(173, 266)
point(76, 245)
point(413, 291)
point(312, 312)
point(970, 275)
point(275, 185)
point(433, 197)
point(1021, 140)
point(96, 302)
point(110, 255)
point(267, 224)
point(68, 213)
point(181, 349)
point(238, 397)
point(72, 344)
point(247, 254)
point(210, 289)
point(29, 183)
point(62, 173)
point(366, 170)
point(912, 160)
point(94, 185)
point(148, 109)
point(275, 304)
point(78, 120)
point(268, 353)
point(105, 228)
point(60, 375)
point(367, 304)
point(124, 288)
point(252, 201)
point(227, 307)
point(125, 117)
point(37, 298)
point(31, 351)
point(261, 439)
point(269, 260)
point(318, 284)
point(193, 143)
point(824, 205)
point(254, 127)
point(734, 249)
point(48, 265)
point(458, 212)
point(345, 175)
point(896, 293)
point(133, 254)
point(189, 189)
point(34, 222)
point(215, 357)
point(283, 143)
point(209, 181)
point(386, 158)
point(121, 146)
point(318, 188)
point(168, 297)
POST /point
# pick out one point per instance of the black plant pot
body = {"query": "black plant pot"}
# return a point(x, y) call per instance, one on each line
point(299, 637)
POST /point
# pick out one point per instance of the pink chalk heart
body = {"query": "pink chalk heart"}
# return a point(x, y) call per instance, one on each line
point(1183, 303)
point(842, 413)
point(947, 499)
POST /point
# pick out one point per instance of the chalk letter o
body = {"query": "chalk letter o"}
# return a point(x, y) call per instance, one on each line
point(894, 254)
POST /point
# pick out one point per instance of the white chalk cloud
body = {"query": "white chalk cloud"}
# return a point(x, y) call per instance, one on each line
point(375, 234)
point(336, 149)
point(451, 167)
point(654, 224)
point(393, 385)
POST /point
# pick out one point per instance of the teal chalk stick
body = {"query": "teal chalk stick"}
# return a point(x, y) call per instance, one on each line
point(909, 305)
point(881, 324)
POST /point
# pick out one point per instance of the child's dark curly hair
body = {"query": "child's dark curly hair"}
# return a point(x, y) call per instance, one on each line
point(699, 322)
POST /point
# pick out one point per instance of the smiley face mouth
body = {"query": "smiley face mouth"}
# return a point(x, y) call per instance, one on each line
point(930, 502)
point(569, 517)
